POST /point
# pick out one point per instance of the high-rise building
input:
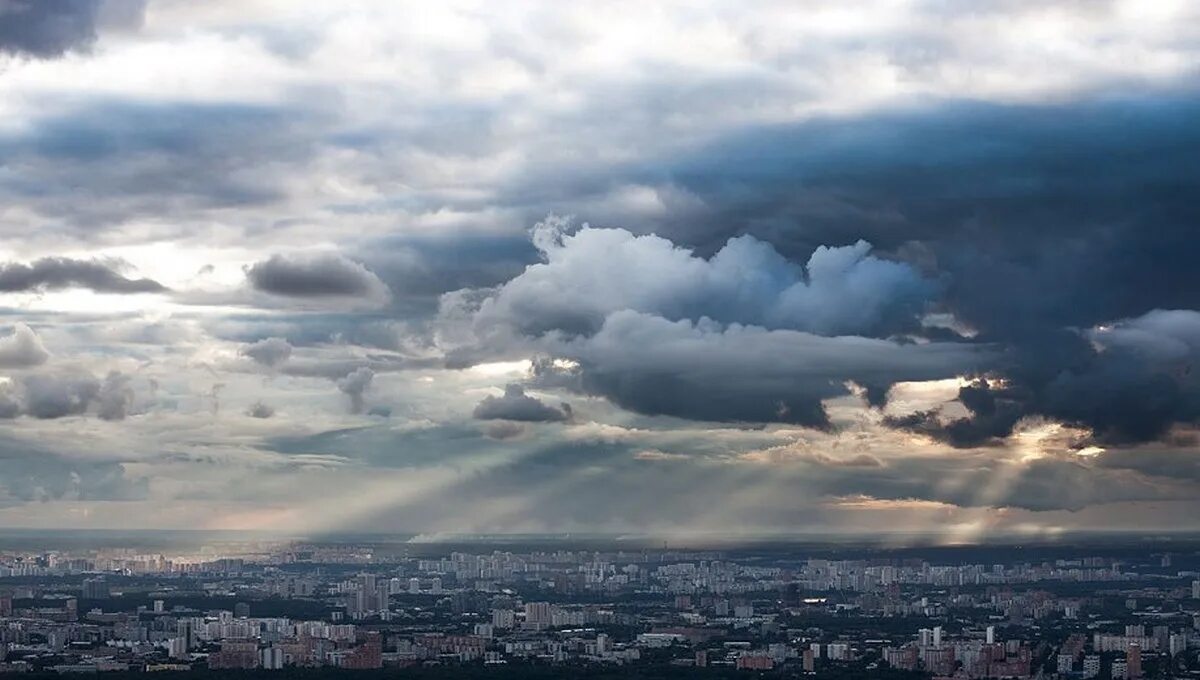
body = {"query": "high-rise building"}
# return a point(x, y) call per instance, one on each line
point(991, 635)
point(538, 614)
point(95, 589)
point(271, 658)
point(177, 648)
point(1133, 661)
point(503, 618)
point(1091, 666)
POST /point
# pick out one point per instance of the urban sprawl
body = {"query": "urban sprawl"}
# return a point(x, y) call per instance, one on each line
point(1128, 613)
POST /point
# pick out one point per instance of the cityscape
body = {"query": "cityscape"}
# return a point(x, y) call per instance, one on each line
point(1126, 608)
point(600, 339)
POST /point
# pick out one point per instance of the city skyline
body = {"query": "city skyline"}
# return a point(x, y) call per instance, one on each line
point(674, 270)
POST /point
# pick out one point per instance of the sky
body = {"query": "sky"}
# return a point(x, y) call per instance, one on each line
point(672, 268)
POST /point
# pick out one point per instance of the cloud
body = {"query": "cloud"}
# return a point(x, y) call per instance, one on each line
point(54, 273)
point(322, 275)
point(91, 167)
point(115, 398)
point(260, 410)
point(269, 352)
point(743, 336)
point(32, 471)
point(594, 272)
point(703, 371)
point(50, 28)
point(515, 405)
point(22, 349)
point(68, 392)
point(1127, 381)
point(354, 385)
point(58, 395)
point(10, 405)
point(504, 429)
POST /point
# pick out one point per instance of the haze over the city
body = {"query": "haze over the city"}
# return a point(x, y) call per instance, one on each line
point(673, 269)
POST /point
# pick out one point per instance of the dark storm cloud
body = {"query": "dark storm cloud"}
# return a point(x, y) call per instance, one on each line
point(50, 28)
point(421, 267)
point(1130, 381)
point(993, 415)
point(1041, 216)
point(1037, 223)
point(514, 404)
point(661, 331)
point(744, 374)
point(109, 161)
point(55, 273)
point(314, 276)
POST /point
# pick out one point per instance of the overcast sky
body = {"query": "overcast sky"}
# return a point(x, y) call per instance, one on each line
point(671, 268)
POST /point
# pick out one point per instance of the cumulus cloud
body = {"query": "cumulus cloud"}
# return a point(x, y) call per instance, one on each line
point(22, 348)
point(57, 395)
point(68, 392)
point(594, 272)
point(354, 385)
point(321, 275)
point(269, 352)
point(54, 273)
point(49, 28)
point(514, 404)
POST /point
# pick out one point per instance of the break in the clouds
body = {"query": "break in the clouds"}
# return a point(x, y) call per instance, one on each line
point(260, 258)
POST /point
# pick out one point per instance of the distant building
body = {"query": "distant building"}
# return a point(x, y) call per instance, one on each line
point(95, 589)
point(1133, 661)
point(755, 662)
